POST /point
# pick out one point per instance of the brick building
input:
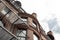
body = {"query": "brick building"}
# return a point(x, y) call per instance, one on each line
point(17, 24)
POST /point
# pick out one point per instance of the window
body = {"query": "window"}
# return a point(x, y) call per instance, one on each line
point(22, 20)
point(17, 4)
point(5, 10)
point(21, 34)
point(12, 17)
point(9, 14)
point(35, 37)
point(34, 25)
point(4, 34)
point(1, 24)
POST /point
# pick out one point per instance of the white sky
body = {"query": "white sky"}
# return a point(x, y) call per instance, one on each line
point(45, 9)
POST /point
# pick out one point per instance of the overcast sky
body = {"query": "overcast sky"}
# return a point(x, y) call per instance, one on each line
point(47, 13)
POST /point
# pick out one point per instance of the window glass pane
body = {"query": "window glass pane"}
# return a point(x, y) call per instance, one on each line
point(34, 25)
point(35, 37)
point(5, 10)
point(17, 4)
point(12, 17)
point(21, 34)
point(5, 35)
point(22, 20)
point(1, 24)
point(24, 32)
point(22, 38)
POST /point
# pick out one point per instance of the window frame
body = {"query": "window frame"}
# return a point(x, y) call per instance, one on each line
point(4, 10)
point(22, 36)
